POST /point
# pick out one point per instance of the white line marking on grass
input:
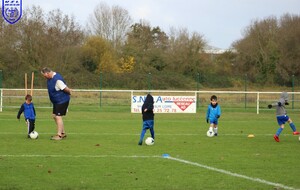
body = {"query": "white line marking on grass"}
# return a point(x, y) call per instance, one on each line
point(231, 173)
point(76, 156)
point(132, 134)
point(164, 157)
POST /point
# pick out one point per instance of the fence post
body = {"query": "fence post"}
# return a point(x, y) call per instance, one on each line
point(35, 81)
point(1, 78)
point(149, 82)
point(198, 82)
point(257, 103)
point(1, 100)
point(100, 97)
point(293, 83)
point(245, 91)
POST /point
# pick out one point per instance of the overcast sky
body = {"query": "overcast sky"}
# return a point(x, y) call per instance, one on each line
point(221, 22)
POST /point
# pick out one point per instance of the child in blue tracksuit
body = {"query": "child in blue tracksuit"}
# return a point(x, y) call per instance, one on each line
point(213, 114)
point(282, 116)
point(29, 113)
point(148, 117)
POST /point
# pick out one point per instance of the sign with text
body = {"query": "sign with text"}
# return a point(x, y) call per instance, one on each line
point(166, 104)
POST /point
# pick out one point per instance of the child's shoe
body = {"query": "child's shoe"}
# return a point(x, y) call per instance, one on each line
point(140, 143)
point(296, 133)
point(216, 134)
point(276, 138)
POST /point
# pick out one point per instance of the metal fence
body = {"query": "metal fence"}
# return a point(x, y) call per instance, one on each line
point(87, 99)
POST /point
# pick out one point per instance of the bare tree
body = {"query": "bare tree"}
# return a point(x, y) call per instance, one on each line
point(147, 45)
point(289, 46)
point(269, 51)
point(110, 23)
point(258, 50)
point(185, 50)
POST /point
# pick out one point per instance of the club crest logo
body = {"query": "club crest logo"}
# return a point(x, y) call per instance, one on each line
point(12, 10)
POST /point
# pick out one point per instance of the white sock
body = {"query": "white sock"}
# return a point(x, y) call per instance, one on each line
point(216, 130)
point(210, 129)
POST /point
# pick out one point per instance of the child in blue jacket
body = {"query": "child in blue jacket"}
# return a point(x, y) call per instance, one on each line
point(213, 114)
point(29, 113)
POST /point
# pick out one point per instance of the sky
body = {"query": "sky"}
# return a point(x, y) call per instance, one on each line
point(220, 22)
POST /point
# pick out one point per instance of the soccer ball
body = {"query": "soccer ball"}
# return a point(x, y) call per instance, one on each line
point(34, 135)
point(210, 133)
point(149, 141)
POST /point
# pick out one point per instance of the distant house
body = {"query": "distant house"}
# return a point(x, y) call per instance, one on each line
point(214, 50)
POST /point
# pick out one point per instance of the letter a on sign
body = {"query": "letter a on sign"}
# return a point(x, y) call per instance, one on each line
point(12, 10)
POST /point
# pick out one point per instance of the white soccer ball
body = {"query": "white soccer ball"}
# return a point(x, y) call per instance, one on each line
point(210, 133)
point(34, 135)
point(149, 141)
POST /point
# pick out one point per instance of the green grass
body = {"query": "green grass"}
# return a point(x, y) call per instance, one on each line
point(101, 152)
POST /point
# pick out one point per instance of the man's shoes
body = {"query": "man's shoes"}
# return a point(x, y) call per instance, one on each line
point(63, 135)
point(276, 138)
point(296, 133)
point(56, 137)
point(59, 137)
point(140, 143)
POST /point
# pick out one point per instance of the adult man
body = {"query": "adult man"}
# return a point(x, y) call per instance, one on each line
point(59, 95)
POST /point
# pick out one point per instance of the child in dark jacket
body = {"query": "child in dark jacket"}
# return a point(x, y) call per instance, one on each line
point(29, 113)
point(148, 118)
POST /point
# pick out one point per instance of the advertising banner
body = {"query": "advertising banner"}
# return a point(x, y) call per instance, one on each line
point(166, 104)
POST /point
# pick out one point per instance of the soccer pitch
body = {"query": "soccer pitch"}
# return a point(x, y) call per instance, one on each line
point(102, 152)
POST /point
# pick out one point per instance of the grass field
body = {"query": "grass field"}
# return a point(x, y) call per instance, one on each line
point(101, 152)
